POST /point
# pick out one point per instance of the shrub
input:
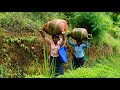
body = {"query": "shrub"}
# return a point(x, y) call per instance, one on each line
point(95, 22)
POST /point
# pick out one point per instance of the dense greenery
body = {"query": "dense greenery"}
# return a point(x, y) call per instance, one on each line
point(104, 68)
point(23, 52)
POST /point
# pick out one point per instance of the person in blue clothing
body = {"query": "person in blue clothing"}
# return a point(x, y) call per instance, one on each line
point(78, 56)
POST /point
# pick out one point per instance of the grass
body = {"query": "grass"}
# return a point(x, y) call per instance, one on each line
point(109, 68)
point(2, 71)
point(35, 76)
point(45, 64)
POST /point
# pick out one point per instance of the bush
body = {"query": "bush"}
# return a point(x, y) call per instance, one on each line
point(95, 22)
point(16, 21)
point(32, 21)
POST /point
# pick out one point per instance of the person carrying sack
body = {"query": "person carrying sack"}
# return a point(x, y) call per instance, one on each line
point(55, 44)
point(78, 56)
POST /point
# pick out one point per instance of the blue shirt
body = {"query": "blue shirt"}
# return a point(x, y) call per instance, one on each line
point(78, 50)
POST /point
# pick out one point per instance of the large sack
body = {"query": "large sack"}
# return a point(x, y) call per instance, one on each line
point(79, 34)
point(55, 26)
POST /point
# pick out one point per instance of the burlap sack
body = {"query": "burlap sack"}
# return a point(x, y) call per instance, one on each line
point(55, 26)
point(79, 34)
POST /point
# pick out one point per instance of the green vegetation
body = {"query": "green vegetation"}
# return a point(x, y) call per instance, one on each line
point(23, 52)
point(104, 68)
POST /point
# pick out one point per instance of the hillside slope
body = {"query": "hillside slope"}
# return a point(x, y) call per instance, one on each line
point(23, 50)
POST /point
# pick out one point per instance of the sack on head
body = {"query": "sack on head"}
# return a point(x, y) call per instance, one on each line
point(56, 26)
point(79, 34)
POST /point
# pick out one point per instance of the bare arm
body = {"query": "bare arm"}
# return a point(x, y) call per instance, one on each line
point(69, 41)
point(63, 40)
point(86, 43)
point(42, 34)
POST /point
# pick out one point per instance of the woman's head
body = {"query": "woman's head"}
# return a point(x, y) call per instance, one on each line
point(55, 38)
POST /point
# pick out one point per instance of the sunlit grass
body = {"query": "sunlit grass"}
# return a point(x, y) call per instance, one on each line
point(109, 68)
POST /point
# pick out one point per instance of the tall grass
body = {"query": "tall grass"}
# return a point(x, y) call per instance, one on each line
point(48, 69)
point(45, 64)
point(53, 68)
point(2, 71)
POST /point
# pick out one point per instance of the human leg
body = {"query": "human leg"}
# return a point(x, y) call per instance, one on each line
point(75, 62)
point(81, 61)
point(59, 67)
